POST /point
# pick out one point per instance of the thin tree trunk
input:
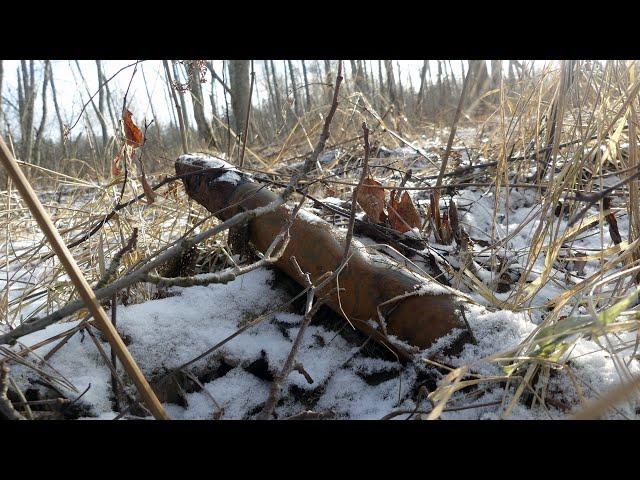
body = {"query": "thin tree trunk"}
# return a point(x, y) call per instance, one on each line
point(183, 133)
point(239, 84)
point(440, 85)
point(101, 102)
point(54, 95)
point(26, 100)
point(38, 141)
point(496, 73)
point(183, 102)
point(391, 86)
point(423, 75)
point(99, 110)
point(306, 87)
point(328, 79)
point(197, 100)
point(272, 97)
point(400, 88)
point(276, 91)
point(296, 96)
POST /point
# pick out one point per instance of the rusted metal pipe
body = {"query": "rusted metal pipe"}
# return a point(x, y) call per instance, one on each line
point(367, 282)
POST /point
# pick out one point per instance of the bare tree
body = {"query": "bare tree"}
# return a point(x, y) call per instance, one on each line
point(239, 84)
point(205, 132)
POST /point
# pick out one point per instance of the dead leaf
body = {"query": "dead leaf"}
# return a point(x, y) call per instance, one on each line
point(150, 194)
point(372, 199)
point(403, 214)
point(613, 223)
point(132, 133)
point(115, 166)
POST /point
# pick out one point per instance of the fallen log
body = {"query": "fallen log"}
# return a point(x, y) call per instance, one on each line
point(413, 309)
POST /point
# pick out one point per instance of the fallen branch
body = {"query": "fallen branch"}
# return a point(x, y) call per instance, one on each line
point(6, 408)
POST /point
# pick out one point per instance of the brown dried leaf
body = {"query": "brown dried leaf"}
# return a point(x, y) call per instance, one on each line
point(613, 223)
point(132, 133)
point(372, 199)
point(150, 194)
point(403, 214)
point(115, 166)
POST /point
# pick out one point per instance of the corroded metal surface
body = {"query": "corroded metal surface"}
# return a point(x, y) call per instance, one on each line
point(368, 280)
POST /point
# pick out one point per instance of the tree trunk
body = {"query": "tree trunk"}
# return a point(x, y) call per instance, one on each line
point(54, 95)
point(38, 141)
point(496, 73)
point(183, 101)
point(98, 110)
point(272, 97)
point(276, 92)
point(391, 84)
point(306, 87)
point(400, 88)
point(26, 100)
point(294, 87)
point(329, 80)
point(183, 132)
point(480, 78)
point(205, 132)
point(423, 76)
point(101, 109)
point(239, 84)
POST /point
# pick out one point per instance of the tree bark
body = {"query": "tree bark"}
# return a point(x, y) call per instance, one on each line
point(26, 100)
point(423, 76)
point(183, 102)
point(205, 132)
point(391, 84)
point(329, 80)
point(306, 87)
point(54, 95)
point(183, 133)
point(38, 140)
point(276, 92)
point(496, 73)
point(239, 84)
point(294, 87)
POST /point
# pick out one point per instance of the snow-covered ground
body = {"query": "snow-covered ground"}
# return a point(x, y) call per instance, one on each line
point(347, 379)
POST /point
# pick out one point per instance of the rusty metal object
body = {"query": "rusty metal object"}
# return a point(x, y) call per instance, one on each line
point(368, 280)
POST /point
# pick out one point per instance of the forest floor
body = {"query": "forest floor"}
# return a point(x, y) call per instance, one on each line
point(342, 374)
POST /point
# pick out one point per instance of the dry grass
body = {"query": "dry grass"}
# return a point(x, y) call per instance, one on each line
point(580, 117)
